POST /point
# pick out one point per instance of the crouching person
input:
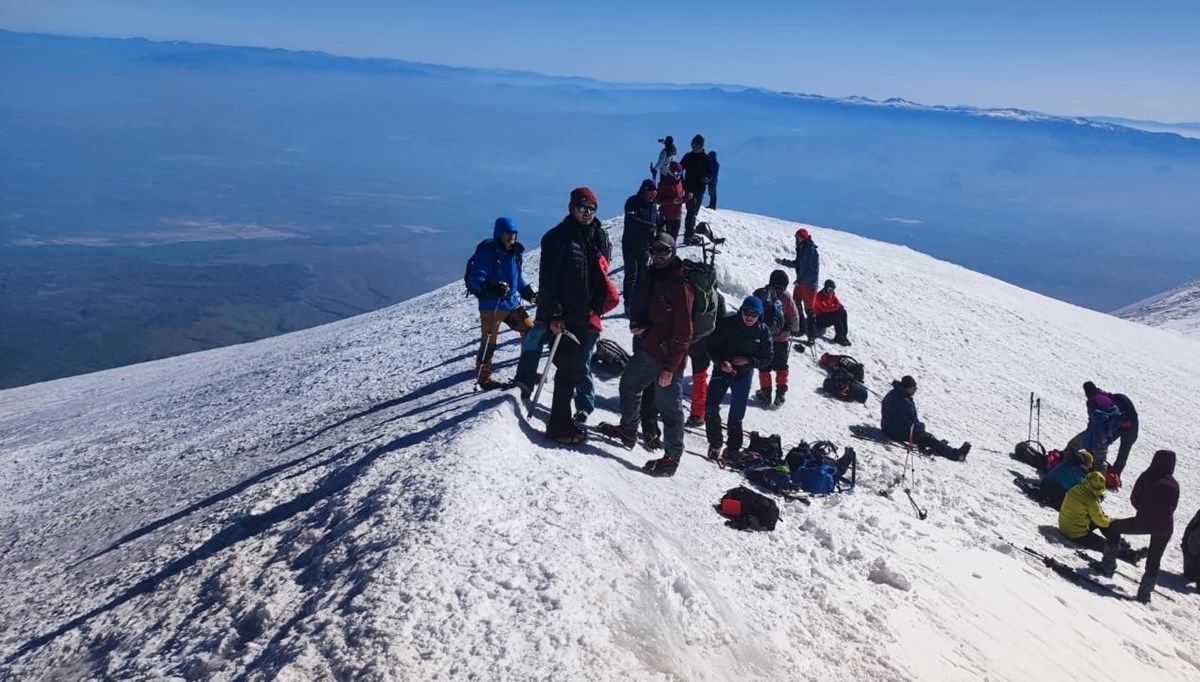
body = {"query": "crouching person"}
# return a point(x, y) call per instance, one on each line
point(661, 321)
point(740, 344)
point(899, 422)
point(1081, 513)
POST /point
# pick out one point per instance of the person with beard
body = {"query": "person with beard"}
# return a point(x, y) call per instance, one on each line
point(661, 322)
point(572, 287)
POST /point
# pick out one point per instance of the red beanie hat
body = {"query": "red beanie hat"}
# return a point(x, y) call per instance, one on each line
point(583, 194)
point(802, 233)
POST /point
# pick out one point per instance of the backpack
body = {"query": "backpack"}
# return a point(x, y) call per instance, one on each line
point(815, 469)
point(841, 385)
point(703, 278)
point(772, 309)
point(829, 362)
point(471, 266)
point(772, 477)
point(748, 510)
point(1031, 452)
point(769, 447)
point(610, 357)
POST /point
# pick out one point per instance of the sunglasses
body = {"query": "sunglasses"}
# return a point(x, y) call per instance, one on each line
point(750, 313)
point(586, 208)
point(661, 251)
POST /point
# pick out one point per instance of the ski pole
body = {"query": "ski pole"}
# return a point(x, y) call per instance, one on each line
point(546, 371)
point(487, 340)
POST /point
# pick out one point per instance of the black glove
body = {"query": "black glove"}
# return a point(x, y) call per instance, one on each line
point(495, 289)
point(529, 294)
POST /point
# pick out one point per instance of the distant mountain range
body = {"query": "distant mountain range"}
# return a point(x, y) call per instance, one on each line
point(1177, 310)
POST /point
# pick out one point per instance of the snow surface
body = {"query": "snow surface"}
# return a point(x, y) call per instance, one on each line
point(337, 503)
point(1177, 310)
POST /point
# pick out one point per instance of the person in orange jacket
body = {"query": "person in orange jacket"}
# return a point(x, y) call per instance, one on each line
point(829, 312)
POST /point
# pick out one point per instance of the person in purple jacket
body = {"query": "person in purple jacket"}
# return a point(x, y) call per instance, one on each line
point(1155, 496)
point(1104, 420)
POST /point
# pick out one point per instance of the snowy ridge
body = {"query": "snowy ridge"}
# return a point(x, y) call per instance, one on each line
point(338, 504)
point(1177, 310)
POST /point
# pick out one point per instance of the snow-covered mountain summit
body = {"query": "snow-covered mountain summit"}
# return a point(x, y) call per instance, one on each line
point(1177, 310)
point(338, 504)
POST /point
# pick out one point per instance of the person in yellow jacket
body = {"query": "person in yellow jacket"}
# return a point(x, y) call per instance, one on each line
point(1081, 511)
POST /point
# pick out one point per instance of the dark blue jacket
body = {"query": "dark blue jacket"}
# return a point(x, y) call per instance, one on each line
point(713, 167)
point(807, 264)
point(493, 265)
point(641, 224)
point(732, 338)
point(899, 414)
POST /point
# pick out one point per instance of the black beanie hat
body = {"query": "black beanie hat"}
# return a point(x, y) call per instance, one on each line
point(647, 184)
point(908, 382)
point(779, 278)
point(698, 139)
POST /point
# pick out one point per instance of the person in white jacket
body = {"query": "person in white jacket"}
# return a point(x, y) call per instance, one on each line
point(665, 157)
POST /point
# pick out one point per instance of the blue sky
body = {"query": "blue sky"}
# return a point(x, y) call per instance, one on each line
point(1100, 57)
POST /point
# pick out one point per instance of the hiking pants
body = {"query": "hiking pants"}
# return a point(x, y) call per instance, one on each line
point(489, 330)
point(803, 297)
point(836, 319)
point(1128, 437)
point(642, 373)
point(780, 352)
point(637, 262)
point(1158, 545)
point(712, 194)
point(585, 393)
point(738, 386)
point(568, 371)
point(698, 355)
point(536, 340)
point(693, 208)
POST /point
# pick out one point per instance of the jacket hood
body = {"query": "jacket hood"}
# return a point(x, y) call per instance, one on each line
point(1163, 464)
point(1094, 482)
point(503, 225)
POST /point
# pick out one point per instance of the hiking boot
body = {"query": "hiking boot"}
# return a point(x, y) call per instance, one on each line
point(652, 441)
point(662, 468)
point(526, 391)
point(489, 384)
point(841, 341)
point(568, 435)
point(780, 392)
point(619, 433)
point(763, 395)
point(694, 421)
point(692, 240)
point(714, 452)
point(961, 452)
point(580, 417)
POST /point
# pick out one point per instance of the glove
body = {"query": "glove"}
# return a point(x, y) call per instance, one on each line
point(529, 294)
point(494, 289)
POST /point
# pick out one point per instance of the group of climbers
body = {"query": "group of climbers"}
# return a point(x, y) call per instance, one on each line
point(575, 291)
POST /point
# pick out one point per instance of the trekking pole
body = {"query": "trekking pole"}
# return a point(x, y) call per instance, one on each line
point(1039, 420)
point(546, 371)
point(487, 341)
point(1029, 429)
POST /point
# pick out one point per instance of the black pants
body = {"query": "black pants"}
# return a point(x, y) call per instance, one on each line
point(693, 208)
point(928, 443)
point(836, 319)
point(672, 227)
point(637, 263)
point(568, 372)
point(1128, 437)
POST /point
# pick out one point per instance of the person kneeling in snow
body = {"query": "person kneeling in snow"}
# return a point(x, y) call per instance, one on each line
point(899, 422)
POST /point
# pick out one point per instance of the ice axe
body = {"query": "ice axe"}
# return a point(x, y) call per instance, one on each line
point(546, 371)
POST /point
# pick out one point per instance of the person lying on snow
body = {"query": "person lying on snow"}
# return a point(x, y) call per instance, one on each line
point(899, 422)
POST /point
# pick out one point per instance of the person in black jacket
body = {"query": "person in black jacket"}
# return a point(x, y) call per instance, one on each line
point(739, 345)
point(641, 224)
point(696, 174)
point(899, 422)
point(571, 287)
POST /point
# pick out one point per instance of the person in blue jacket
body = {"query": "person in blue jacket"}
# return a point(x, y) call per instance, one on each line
point(899, 422)
point(495, 278)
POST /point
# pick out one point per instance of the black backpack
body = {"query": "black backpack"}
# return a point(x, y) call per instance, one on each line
point(817, 469)
point(831, 362)
point(841, 385)
point(471, 266)
point(748, 510)
point(768, 447)
point(610, 357)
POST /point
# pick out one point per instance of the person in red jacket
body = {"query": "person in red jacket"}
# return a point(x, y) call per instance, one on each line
point(1155, 496)
point(670, 199)
point(829, 312)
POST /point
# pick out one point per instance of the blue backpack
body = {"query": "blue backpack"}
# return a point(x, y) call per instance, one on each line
point(816, 470)
point(772, 309)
